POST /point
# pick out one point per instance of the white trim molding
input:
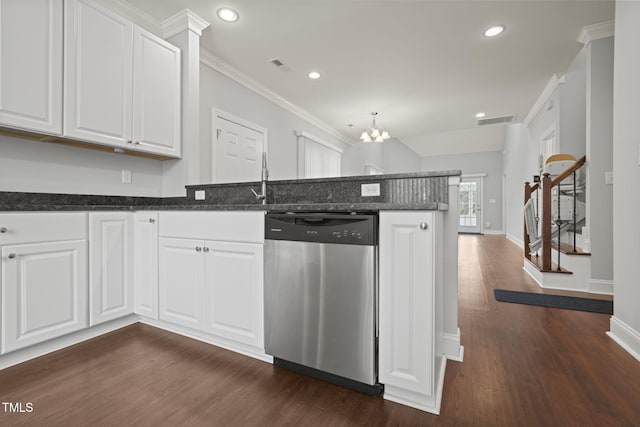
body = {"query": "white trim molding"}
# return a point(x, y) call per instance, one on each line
point(601, 30)
point(454, 180)
point(598, 286)
point(135, 14)
point(555, 81)
point(515, 240)
point(217, 64)
point(625, 336)
point(183, 20)
point(301, 133)
point(493, 231)
point(452, 348)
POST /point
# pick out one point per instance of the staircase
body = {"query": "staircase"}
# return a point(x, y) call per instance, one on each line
point(556, 256)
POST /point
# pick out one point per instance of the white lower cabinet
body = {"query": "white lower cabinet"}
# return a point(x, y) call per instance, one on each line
point(234, 294)
point(181, 290)
point(110, 266)
point(43, 277)
point(410, 353)
point(145, 261)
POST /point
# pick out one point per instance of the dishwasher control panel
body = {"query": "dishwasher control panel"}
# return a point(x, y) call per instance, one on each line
point(357, 229)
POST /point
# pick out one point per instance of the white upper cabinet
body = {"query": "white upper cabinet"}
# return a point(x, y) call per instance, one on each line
point(98, 67)
point(156, 95)
point(118, 94)
point(31, 65)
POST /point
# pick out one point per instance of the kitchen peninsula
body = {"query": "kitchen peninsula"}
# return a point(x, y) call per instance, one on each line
point(194, 265)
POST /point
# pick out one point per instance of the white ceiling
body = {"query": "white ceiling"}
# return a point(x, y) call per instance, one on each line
point(424, 66)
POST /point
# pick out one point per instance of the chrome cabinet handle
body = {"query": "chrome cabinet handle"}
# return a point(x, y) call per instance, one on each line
point(12, 256)
point(423, 226)
point(137, 143)
point(151, 220)
point(206, 249)
point(3, 230)
point(129, 142)
point(198, 249)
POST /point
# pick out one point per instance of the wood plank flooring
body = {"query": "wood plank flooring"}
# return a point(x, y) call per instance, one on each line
point(524, 366)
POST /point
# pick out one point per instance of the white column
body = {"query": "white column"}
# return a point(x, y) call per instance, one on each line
point(184, 30)
point(452, 348)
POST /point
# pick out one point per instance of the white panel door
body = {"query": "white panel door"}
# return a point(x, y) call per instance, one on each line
point(238, 152)
point(234, 291)
point(31, 65)
point(156, 95)
point(145, 261)
point(181, 275)
point(110, 266)
point(98, 74)
point(406, 342)
point(470, 206)
point(44, 292)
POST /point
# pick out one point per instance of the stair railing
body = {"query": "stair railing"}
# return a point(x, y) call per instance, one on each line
point(546, 187)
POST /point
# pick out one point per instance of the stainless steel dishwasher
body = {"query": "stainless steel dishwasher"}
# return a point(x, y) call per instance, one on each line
point(321, 296)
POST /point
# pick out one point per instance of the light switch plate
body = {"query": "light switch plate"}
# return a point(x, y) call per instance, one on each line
point(370, 190)
point(199, 194)
point(126, 176)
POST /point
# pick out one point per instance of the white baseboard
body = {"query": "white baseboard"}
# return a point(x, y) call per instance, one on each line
point(492, 232)
point(515, 240)
point(598, 286)
point(37, 350)
point(625, 336)
point(236, 347)
point(452, 348)
point(427, 403)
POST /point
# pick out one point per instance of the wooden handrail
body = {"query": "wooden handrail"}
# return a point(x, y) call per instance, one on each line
point(581, 161)
point(534, 187)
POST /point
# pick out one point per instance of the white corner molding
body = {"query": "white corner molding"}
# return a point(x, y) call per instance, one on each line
point(136, 14)
point(452, 348)
point(625, 336)
point(183, 20)
point(601, 30)
point(556, 80)
point(210, 60)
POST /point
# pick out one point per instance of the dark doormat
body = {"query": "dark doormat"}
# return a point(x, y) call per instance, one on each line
point(555, 301)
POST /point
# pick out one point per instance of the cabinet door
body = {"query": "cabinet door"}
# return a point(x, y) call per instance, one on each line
point(31, 65)
point(234, 289)
point(406, 341)
point(145, 261)
point(181, 277)
point(110, 266)
point(156, 95)
point(98, 74)
point(44, 292)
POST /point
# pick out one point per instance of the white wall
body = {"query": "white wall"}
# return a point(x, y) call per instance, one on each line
point(489, 163)
point(599, 143)
point(40, 167)
point(625, 325)
point(220, 92)
point(572, 119)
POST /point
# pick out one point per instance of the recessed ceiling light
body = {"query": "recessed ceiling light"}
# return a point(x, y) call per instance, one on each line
point(494, 31)
point(314, 75)
point(228, 15)
point(480, 115)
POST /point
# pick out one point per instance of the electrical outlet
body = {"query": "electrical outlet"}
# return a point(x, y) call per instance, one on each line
point(370, 190)
point(199, 195)
point(126, 176)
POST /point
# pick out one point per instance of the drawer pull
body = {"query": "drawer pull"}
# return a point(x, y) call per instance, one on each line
point(423, 226)
point(151, 220)
point(206, 249)
point(198, 249)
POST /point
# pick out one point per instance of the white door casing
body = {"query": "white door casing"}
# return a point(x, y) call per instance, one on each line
point(470, 214)
point(237, 148)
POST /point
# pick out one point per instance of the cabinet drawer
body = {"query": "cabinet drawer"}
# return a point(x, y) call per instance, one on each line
point(230, 226)
point(42, 227)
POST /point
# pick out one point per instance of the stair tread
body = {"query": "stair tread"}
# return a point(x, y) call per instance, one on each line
point(537, 262)
point(567, 249)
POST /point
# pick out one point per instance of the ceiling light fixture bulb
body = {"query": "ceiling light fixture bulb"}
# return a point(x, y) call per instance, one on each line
point(228, 15)
point(374, 133)
point(494, 31)
point(480, 115)
point(314, 75)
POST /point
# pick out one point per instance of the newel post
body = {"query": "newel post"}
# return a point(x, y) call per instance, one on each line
point(527, 196)
point(546, 222)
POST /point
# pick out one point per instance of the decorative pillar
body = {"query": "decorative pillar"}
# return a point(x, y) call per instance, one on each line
point(452, 348)
point(184, 30)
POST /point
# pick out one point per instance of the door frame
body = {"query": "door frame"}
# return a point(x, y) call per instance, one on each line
point(216, 115)
point(480, 178)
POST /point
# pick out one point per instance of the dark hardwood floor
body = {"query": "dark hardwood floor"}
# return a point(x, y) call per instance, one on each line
point(524, 366)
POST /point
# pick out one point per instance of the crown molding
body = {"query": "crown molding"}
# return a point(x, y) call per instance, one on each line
point(183, 20)
point(601, 30)
point(555, 81)
point(146, 21)
point(210, 60)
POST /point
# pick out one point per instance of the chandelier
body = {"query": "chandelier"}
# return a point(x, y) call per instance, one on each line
point(374, 134)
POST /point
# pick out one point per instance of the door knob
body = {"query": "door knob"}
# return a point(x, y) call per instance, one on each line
point(423, 226)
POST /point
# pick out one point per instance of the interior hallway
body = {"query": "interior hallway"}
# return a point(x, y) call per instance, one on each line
point(524, 365)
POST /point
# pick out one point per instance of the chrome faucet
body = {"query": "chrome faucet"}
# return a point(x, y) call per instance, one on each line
point(264, 178)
